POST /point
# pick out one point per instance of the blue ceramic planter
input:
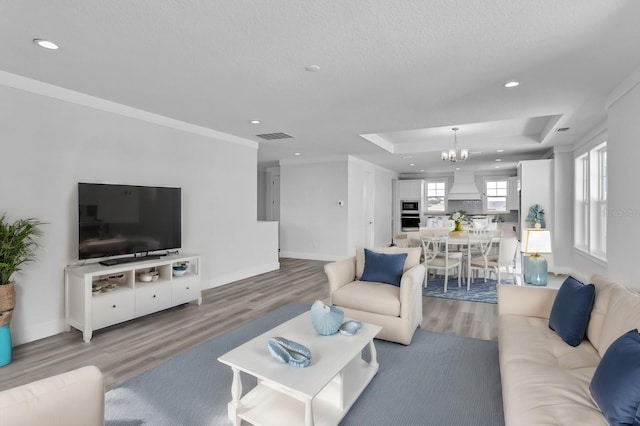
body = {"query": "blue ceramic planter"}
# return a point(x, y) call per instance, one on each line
point(5, 345)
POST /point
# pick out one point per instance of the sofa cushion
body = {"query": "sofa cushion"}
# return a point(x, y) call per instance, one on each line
point(383, 267)
point(544, 380)
point(571, 310)
point(623, 314)
point(379, 298)
point(616, 383)
point(413, 257)
point(599, 310)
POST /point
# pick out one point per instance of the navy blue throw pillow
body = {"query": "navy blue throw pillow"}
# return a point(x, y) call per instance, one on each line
point(571, 310)
point(616, 383)
point(382, 267)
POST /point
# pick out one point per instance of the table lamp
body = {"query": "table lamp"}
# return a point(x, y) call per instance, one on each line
point(535, 241)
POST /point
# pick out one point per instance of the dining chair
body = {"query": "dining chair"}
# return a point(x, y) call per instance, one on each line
point(437, 257)
point(507, 248)
point(480, 258)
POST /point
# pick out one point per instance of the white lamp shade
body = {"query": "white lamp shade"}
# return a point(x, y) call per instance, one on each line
point(536, 240)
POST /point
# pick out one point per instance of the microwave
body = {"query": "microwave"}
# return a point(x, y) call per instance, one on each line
point(410, 206)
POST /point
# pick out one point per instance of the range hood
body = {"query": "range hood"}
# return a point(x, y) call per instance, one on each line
point(464, 186)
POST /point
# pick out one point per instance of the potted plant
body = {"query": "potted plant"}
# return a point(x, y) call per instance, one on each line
point(535, 215)
point(17, 247)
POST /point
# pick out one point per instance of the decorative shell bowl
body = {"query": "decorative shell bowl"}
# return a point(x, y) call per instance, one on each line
point(289, 352)
point(326, 319)
point(350, 327)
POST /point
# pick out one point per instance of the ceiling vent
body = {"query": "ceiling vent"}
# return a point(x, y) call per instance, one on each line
point(274, 136)
point(562, 129)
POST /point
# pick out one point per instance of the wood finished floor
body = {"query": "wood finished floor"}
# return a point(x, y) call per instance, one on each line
point(126, 350)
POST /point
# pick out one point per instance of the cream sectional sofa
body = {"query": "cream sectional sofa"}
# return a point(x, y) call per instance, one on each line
point(72, 398)
point(544, 380)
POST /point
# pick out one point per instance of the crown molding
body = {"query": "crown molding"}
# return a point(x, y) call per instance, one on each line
point(60, 93)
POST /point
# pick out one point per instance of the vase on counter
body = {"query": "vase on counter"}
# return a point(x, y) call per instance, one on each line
point(457, 230)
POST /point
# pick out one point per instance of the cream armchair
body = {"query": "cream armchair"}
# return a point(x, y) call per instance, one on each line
point(398, 310)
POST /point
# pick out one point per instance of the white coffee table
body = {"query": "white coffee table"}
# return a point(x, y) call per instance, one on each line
point(320, 394)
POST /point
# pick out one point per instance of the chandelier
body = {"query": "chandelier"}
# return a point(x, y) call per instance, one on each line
point(455, 153)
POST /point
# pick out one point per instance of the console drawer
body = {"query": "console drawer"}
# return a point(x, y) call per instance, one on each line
point(152, 298)
point(184, 290)
point(112, 308)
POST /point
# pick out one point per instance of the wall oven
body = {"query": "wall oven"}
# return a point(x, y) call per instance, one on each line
point(410, 222)
point(410, 215)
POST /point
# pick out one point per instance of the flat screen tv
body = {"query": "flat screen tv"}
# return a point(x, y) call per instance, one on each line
point(116, 220)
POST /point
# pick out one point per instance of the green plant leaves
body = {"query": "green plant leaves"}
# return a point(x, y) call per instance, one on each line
point(17, 245)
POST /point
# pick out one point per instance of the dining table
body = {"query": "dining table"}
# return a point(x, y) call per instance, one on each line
point(464, 241)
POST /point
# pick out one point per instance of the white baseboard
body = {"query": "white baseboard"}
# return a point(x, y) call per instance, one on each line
point(239, 275)
point(36, 332)
point(311, 256)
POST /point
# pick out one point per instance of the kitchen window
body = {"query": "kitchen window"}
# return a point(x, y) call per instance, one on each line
point(436, 196)
point(496, 191)
point(590, 208)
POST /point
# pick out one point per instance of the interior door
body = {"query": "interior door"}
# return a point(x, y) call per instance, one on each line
point(368, 209)
point(275, 199)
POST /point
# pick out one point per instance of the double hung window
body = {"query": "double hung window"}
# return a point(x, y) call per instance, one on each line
point(436, 196)
point(496, 191)
point(590, 207)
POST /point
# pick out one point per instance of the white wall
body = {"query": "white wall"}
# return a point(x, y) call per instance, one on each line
point(49, 145)
point(312, 224)
point(623, 154)
point(562, 236)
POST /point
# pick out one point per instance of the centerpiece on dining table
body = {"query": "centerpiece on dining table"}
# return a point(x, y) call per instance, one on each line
point(457, 217)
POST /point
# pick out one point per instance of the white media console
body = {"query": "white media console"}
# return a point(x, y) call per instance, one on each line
point(121, 295)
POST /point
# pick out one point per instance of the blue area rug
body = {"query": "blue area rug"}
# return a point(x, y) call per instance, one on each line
point(479, 291)
point(437, 380)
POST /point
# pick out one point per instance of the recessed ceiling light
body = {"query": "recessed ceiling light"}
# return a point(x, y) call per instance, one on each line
point(457, 168)
point(296, 153)
point(412, 164)
point(45, 43)
point(498, 159)
point(497, 167)
point(511, 84)
point(312, 68)
point(422, 170)
point(500, 150)
point(255, 121)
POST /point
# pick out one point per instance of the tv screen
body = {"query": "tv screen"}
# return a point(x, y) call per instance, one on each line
point(117, 220)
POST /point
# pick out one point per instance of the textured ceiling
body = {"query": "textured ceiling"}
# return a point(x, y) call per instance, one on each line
point(388, 68)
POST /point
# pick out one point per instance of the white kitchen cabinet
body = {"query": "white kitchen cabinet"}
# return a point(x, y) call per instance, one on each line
point(411, 189)
point(127, 297)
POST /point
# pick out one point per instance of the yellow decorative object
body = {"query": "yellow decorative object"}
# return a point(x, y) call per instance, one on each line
point(457, 217)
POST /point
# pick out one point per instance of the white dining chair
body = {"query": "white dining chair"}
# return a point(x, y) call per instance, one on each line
point(507, 249)
point(437, 257)
point(481, 257)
